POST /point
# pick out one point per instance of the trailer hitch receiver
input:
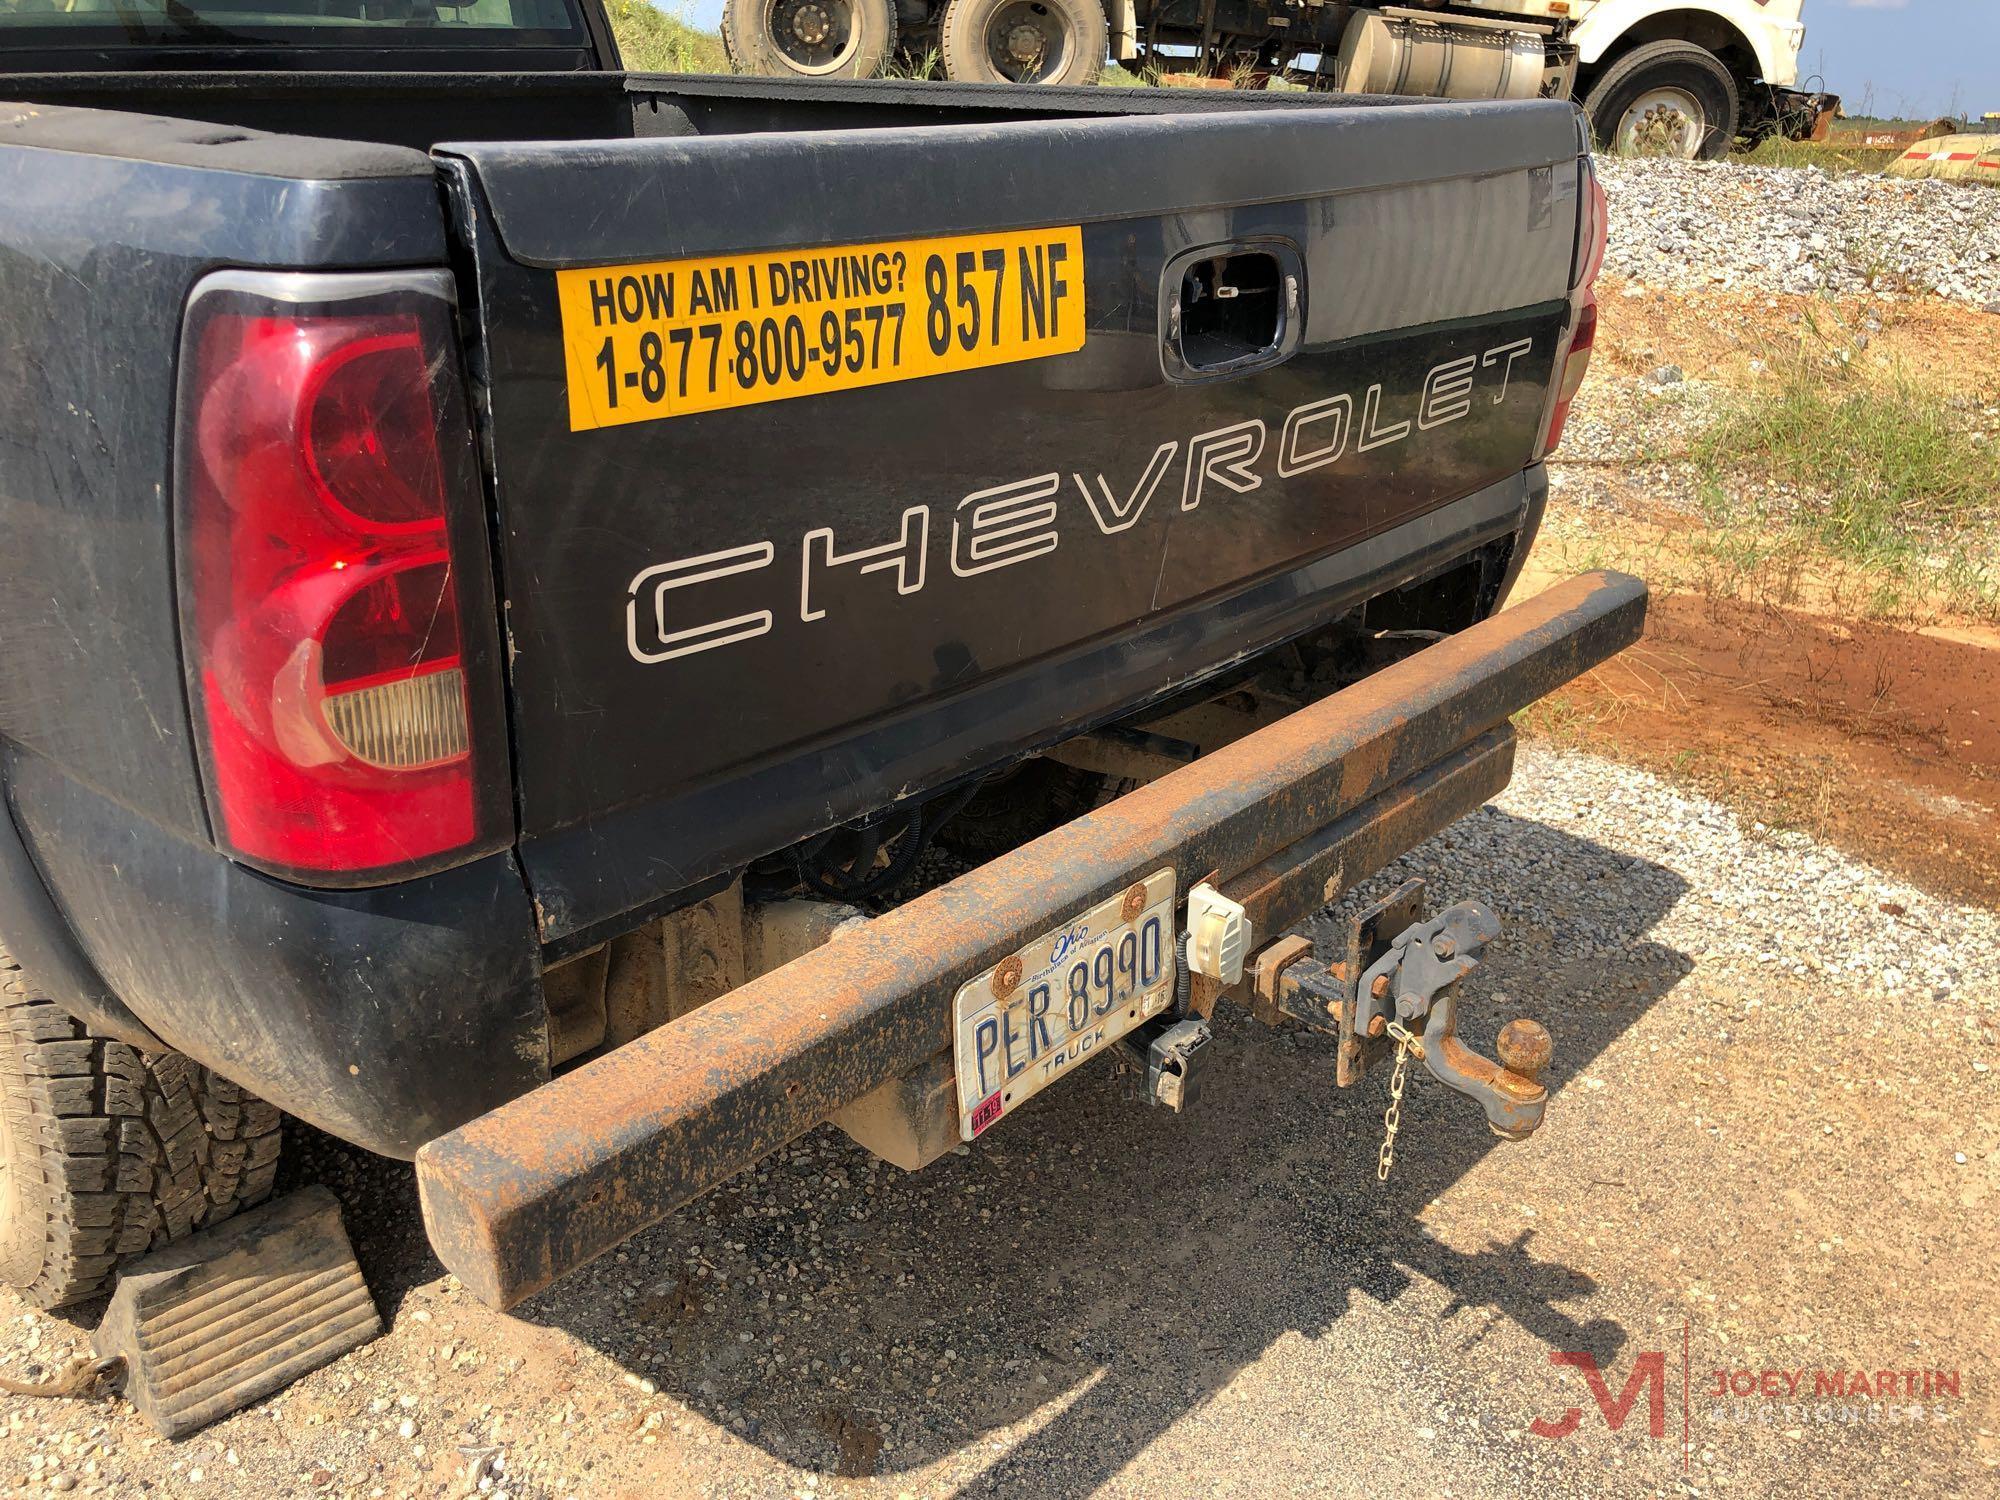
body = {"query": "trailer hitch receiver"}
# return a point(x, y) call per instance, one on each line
point(1416, 984)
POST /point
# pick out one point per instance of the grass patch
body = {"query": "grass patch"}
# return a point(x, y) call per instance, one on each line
point(1879, 467)
point(927, 68)
point(1565, 719)
point(1831, 156)
point(652, 40)
point(1890, 475)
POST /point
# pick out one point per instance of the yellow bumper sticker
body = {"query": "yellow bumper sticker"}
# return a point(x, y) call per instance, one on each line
point(675, 337)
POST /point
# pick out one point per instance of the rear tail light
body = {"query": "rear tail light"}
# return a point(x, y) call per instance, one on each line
point(1593, 231)
point(1593, 238)
point(1575, 365)
point(336, 610)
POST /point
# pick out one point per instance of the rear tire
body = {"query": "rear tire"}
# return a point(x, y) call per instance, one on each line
point(107, 1152)
point(1665, 99)
point(809, 38)
point(1024, 41)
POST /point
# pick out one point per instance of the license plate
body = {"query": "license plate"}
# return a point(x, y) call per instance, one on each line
point(672, 337)
point(1032, 1018)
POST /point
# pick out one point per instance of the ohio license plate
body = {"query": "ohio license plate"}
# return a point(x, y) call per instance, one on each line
point(1035, 1016)
point(671, 337)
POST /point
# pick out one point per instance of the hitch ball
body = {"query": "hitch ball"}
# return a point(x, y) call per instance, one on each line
point(1525, 1048)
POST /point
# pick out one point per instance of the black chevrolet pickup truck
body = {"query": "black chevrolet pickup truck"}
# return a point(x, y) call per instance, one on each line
point(508, 568)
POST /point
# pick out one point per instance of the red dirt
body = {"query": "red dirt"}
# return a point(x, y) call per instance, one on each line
point(1881, 741)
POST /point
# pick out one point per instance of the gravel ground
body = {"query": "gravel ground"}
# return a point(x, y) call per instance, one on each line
point(1687, 225)
point(1775, 1144)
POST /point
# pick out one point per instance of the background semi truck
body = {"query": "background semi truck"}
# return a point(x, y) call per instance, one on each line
point(1670, 77)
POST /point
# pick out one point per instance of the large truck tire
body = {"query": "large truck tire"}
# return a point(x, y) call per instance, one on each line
point(1024, 41)
point(107, 1152)
point(809, 38)
point(1665, 99)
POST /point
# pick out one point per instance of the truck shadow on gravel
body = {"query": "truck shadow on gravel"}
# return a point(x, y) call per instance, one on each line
point(841, 1315)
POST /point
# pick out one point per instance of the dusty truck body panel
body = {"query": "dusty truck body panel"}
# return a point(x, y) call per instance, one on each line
point(1276, 381)
point(111, 221)
point(888, 684)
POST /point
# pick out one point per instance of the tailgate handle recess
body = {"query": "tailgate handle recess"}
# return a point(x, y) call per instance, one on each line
point(1231, 309)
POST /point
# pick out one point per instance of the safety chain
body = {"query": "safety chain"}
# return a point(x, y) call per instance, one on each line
point(1407, 1047)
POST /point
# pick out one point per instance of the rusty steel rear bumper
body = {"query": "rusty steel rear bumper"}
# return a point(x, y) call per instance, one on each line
point(1286, 818)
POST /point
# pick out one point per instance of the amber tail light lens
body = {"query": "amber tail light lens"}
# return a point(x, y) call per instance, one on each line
point(336, 601)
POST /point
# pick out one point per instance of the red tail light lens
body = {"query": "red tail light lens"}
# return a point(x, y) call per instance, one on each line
point(369, 432)
point(336, 610)
point(1575, 365)
point(1593, 238)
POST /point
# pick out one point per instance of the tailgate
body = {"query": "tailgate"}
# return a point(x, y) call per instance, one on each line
point(830, 466)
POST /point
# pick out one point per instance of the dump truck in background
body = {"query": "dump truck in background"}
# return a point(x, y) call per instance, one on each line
point(1663, 77)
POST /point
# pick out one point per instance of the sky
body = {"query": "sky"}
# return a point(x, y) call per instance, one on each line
point(1906, 57)
point(1901, 57)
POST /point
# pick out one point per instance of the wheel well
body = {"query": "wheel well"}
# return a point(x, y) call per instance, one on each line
point(1702, 28)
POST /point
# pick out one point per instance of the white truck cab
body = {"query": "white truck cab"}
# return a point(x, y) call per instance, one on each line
point(1686, 77)
point(1671, 77)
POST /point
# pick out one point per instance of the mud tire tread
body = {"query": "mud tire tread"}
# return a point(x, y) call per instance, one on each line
point(120, 1151)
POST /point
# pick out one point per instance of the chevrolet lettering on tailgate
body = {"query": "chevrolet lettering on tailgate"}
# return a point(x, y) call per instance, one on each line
point(670, 338)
